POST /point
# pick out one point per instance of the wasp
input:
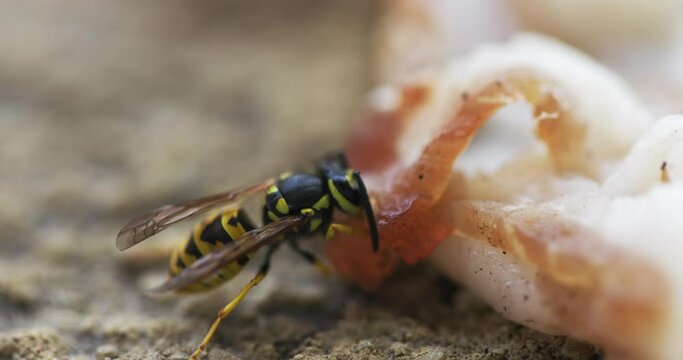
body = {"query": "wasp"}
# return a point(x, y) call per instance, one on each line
point(296, 205)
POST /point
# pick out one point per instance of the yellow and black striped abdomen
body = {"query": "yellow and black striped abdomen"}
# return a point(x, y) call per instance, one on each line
point(215, 232)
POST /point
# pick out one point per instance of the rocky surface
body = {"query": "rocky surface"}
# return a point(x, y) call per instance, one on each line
point(109, 109)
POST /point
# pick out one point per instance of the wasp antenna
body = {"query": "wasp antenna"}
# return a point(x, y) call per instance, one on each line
point(365, 201)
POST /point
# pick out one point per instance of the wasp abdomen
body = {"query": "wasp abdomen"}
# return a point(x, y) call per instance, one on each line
point(216, 232)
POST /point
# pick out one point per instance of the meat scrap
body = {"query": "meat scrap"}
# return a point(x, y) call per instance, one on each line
point(578, 233)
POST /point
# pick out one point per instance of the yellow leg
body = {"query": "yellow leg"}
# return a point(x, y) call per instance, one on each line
point(322, 267)
point(225, 312)
point(311, 258)
point(329, 234)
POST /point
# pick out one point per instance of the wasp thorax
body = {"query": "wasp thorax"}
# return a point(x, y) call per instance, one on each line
point(296, 194)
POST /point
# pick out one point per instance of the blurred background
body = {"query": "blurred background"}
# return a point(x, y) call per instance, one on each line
point(109, 109)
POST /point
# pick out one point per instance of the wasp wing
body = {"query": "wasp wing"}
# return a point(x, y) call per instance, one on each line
point(155, 221)
point(214, 261)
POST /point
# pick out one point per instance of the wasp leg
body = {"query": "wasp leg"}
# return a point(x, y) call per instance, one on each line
point(233, 304)
point(311, 258)
point(329, 234)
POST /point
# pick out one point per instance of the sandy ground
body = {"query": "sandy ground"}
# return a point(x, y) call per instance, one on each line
point(109, 109)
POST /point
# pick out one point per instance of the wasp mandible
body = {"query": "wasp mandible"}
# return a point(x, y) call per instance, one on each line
point(296, 205)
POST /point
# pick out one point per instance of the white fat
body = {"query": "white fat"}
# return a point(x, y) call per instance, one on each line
point(597, 97)
point(385, 99)
point(647, 225)
point(650, 225)
point(643, 214)
point(642, 168)
point(500, 279)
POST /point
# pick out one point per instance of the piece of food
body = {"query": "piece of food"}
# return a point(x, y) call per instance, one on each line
point(575, 233)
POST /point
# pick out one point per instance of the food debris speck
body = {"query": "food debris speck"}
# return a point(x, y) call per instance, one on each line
point(664, 176)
